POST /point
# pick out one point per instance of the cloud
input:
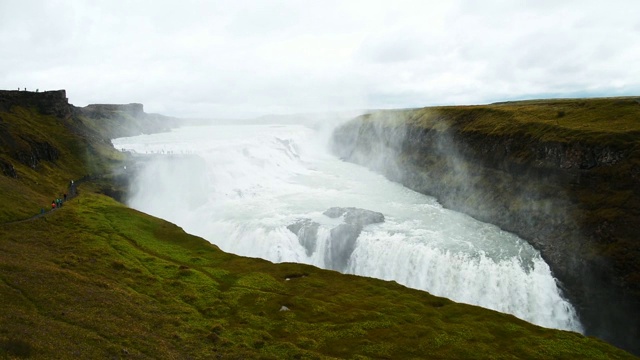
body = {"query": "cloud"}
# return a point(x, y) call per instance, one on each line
point(245, 58)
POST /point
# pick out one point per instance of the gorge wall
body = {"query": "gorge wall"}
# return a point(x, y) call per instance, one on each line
point(47, 102)
point(106, 120)
point(564, 175)
point(42, 134)
point(120, 120)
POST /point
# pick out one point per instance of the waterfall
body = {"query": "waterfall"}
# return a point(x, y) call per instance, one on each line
point(264, 191)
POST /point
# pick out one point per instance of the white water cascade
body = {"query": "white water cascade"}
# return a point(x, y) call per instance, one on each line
point(241, 186)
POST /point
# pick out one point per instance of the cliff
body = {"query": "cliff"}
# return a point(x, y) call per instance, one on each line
point(120, 120)
point(108, 120)
point(46, 102)
point(562, 174)
point(45, 141)
point(95, 279)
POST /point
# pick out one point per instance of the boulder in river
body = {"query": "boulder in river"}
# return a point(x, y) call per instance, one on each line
point(355, 216)
point(342, 238)
point(307, 232)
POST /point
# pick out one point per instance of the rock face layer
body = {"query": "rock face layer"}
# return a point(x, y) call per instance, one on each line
point(342, 238)
point(564, 175)
point(126, 119)
point(47, 102)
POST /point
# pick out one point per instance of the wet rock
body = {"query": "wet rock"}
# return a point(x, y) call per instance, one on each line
point(355, 216)
point(343, 237)
point(307, 232)
point(335, 212)
point(8, 169)
point(341, 244)
point(547, 192)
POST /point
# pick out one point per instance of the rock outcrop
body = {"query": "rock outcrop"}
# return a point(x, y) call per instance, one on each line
point(577, 200)
point(122, 120)
point(31, 148)
point(307, 232)
point(342, 238)
point(47, 102)
point(355, 216)
point(118, 120)
point(31, 152)
point(340, 246)
point(97, 124)
point(8, 169)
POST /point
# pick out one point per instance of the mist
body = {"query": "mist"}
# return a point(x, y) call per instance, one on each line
point(244, 187)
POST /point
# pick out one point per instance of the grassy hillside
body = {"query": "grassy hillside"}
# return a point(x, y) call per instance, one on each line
point(95, 279)
point(47, 153)
point(604, 121)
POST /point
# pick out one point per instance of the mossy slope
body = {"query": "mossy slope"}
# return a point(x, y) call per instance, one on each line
point(95, 279)
point(98, 280)
point(46, 152)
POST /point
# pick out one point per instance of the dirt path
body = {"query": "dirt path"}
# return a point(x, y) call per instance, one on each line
point(72, 192)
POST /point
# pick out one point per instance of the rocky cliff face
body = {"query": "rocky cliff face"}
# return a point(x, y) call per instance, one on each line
point(577, 202)
point(119, 120)
point(108, 120)
point(97, 111)
point(30, 149)
point(47, 102)
point(28, 142)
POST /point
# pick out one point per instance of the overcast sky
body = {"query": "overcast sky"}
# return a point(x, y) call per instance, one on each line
point(242, 58)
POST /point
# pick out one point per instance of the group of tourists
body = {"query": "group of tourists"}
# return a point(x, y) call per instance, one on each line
point(56, 203)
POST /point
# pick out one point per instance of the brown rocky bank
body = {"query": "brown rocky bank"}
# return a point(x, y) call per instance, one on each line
point(562, 174)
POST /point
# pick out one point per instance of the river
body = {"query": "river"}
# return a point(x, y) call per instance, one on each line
point(250, 182)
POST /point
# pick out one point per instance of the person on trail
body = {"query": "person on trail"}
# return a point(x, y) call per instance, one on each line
point(65, 197)
point(53, 204)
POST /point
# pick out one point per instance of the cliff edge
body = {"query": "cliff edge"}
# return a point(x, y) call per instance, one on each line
point(120, 120)
point(106, 281)
point(53, 102)
point(562, 174)
point(45, 141)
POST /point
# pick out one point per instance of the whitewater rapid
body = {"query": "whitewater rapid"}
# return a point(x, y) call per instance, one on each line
point(240, 186)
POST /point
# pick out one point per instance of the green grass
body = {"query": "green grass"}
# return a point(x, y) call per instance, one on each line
point(562, 174)
point(606, 121)
point(80, 152)
point(96, 280)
